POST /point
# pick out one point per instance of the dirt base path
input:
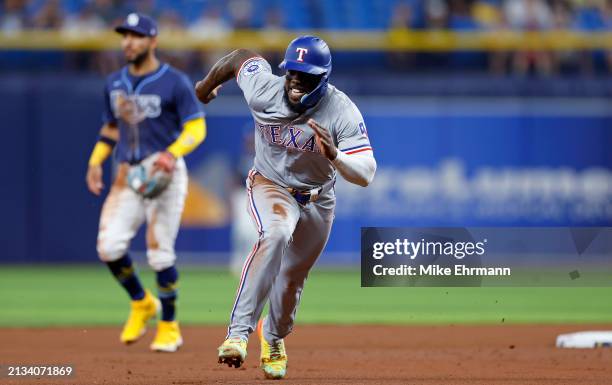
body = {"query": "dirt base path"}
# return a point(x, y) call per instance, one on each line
point(506, 354)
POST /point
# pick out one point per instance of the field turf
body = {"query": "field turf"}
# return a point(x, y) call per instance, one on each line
point(88, 295)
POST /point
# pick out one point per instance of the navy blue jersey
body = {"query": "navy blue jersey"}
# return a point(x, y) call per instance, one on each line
point(150, 110)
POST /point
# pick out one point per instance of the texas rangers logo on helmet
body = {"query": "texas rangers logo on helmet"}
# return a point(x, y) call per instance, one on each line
point(301, 53)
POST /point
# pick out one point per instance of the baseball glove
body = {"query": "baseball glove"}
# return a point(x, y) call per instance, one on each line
point(146, 180)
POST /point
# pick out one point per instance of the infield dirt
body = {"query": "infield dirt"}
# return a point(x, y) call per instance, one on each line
point(504, 354)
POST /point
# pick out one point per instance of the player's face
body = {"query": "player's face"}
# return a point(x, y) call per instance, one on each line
point(298, 84)
point(136, 47)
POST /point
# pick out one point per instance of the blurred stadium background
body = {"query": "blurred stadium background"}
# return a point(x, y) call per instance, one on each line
point(481, 113)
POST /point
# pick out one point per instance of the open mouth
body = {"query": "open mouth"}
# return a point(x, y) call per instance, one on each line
point(296, 93)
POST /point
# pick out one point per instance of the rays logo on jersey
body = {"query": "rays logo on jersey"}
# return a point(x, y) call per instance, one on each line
point(135, 108)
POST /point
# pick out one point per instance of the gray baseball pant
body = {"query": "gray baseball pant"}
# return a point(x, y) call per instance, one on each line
point(291, 238)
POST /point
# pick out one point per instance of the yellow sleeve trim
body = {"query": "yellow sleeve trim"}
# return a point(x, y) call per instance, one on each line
point(99, 154)
point(194, 132)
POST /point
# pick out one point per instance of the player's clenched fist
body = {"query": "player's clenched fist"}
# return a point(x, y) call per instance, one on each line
point(324, 140)
point(94, 179)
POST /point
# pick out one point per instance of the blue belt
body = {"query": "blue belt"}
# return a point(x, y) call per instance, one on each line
point(306, 196)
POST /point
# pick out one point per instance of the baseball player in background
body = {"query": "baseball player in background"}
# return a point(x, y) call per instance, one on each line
point(306, 130)
point(151, 119)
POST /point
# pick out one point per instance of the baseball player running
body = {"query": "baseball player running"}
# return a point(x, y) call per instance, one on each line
point(151, 119)
point(306, 130)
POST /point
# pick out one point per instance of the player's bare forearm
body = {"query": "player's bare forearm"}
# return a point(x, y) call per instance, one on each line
point(225, 69)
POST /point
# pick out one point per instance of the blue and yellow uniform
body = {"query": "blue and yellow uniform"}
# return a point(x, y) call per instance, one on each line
point(156, 114)
point(151, 111)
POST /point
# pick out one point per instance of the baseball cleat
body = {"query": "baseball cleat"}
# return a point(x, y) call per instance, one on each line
point(168, 337)
point(233, 352)
point(273, 356)
point(141, 312)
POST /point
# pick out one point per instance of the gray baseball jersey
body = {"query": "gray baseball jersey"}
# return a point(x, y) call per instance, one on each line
point(285, 148)
point(291, 236)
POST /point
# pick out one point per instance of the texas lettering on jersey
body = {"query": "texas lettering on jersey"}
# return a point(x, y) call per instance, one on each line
point(289, 137)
